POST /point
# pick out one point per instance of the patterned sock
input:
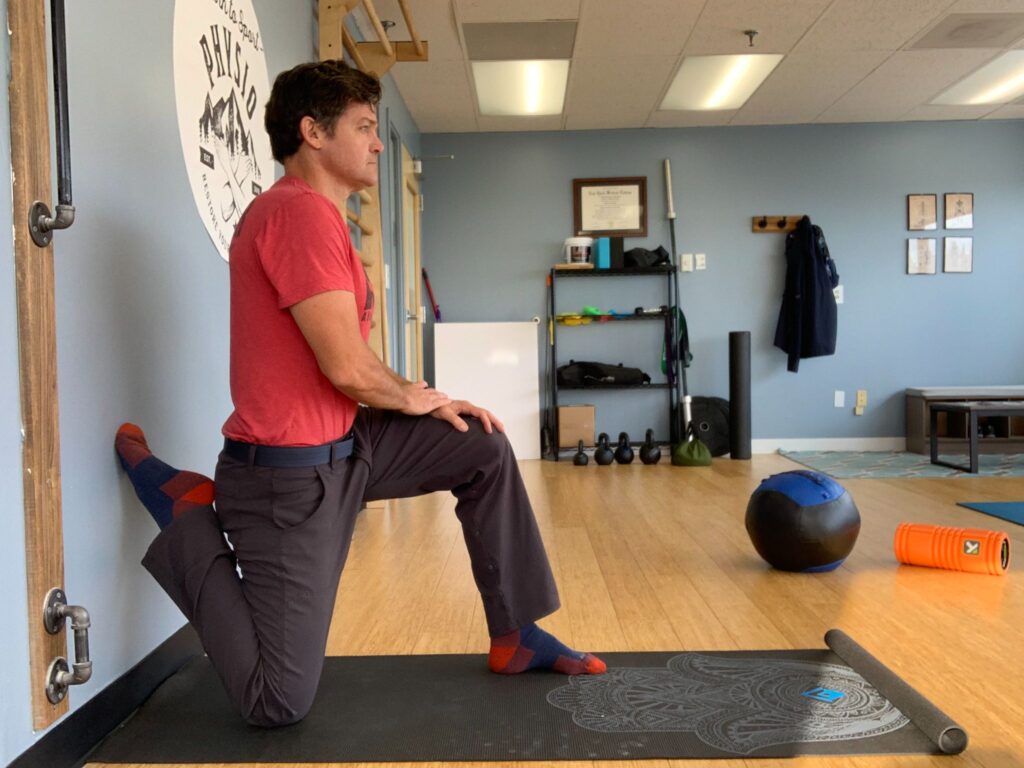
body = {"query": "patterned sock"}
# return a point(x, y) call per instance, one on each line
point(165, 491)
point(530, 647)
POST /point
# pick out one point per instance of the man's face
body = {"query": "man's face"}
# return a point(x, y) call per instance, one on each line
point(351, 153)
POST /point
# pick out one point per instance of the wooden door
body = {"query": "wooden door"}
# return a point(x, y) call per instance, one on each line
point(412, 300)
point(37, 343)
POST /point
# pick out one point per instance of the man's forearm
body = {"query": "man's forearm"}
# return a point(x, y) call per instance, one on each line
point(372, 383)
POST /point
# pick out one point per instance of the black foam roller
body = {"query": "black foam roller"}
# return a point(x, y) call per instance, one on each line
point(739, 394)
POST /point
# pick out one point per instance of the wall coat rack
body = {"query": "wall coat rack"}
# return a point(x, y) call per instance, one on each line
point(774, 224)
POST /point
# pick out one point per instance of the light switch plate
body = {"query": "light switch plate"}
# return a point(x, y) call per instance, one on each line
point(862, 398)
point(686, 262)
point(700, 261)
point(838, 293)
point(840, 398)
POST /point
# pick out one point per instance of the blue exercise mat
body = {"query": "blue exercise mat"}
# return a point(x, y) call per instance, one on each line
point(1004, 510)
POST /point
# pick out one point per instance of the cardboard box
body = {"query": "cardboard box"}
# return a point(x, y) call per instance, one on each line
point(575, 423)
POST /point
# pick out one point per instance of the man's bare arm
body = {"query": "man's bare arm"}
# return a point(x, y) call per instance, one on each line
point(330, 324)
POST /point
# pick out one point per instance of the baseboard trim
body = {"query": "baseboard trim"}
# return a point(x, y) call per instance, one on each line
point(773, 445)
point(69, 742)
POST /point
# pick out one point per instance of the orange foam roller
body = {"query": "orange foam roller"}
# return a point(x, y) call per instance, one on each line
point(956, 549)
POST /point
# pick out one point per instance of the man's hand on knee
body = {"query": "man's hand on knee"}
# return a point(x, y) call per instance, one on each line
point(453, 412)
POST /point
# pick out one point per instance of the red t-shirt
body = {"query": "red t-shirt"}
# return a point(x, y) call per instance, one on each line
point(291, 243)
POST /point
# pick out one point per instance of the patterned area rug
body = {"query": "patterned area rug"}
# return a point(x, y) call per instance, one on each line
point(881, 464)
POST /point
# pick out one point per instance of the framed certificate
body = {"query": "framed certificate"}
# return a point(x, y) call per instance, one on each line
point(610, 207)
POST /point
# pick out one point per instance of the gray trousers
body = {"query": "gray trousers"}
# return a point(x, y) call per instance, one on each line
point(266, 632)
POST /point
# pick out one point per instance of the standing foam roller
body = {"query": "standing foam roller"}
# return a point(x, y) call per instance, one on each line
point(739, 395)
point(972, 550)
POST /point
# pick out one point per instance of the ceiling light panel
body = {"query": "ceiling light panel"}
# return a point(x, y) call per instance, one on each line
point(718, 82)
point(520, 87)
point(998, 82)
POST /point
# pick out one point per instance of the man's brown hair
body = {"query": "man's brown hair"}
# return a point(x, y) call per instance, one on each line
point(321, 90)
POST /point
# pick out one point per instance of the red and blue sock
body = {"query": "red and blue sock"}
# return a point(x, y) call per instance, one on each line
point(530, 647)
point(165, 491)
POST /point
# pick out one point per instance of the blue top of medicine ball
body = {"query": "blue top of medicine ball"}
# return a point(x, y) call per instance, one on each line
point(804, 486)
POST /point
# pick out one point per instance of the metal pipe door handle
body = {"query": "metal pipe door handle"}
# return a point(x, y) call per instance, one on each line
point(60, 676)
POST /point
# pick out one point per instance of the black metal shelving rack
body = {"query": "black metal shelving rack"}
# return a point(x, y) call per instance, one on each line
point(671, 386)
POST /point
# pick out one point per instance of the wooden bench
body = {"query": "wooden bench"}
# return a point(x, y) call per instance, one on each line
point(974, 409)
point(1009, 430)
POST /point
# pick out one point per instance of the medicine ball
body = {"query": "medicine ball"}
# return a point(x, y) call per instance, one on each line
point(802, 521)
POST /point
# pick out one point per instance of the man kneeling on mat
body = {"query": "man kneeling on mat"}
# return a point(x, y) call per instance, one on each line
point(301, 456)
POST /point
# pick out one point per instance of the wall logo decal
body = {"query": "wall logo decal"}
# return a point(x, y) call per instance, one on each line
point(221, 87)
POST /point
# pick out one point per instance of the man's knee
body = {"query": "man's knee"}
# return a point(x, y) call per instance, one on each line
point(274, 711)
point(489, 449)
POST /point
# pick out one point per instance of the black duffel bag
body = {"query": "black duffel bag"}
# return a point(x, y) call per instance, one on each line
point(709, 419)
point(586, 374)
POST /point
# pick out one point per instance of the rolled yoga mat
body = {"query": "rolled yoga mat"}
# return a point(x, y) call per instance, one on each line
point(739, 394)
point(950, 738)
point(648, 705)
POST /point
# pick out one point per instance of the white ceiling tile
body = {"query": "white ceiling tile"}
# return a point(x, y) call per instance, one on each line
point(519, 10)
point(947, 112)
point(779, 24)
point(986, 6)
point(517, 124)
point(689, 119)
point(902, 82)
point(445, 122)
point(854, 25)
point(805, 84)
point(442, 88)
point(639, 28)
point(1007, 112)
point(615, 91)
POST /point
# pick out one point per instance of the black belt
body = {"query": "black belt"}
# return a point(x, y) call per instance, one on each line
point(289, 456)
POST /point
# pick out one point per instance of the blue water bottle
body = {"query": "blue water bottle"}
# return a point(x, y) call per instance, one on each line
point(603, 249)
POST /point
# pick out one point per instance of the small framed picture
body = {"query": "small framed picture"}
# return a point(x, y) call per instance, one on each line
point(959, 210)
point(921, 256)
point(958, 254)
point(922, 212)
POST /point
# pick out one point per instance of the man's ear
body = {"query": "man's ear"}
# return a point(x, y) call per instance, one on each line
point(311, 132)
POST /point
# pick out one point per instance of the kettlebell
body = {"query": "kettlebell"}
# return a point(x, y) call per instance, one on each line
point(603, 455)
point(624, 454)
point(580, 459)
point(649, 452)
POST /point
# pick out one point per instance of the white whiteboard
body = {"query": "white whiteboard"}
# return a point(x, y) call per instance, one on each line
point(494, 365)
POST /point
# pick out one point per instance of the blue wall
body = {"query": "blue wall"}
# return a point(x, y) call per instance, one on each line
point(142, 330)
point(498, 213)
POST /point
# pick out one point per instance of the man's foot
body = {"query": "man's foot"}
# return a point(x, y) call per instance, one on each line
point(530, 647)
point(165, 491)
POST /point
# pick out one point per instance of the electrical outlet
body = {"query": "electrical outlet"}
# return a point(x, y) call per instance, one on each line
point(701, 261)
point(862, 398)
point(840, 398)
point(838, 293)
point(686, 262)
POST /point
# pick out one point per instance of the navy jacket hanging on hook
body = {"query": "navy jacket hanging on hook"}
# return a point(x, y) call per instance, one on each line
point(807, 320)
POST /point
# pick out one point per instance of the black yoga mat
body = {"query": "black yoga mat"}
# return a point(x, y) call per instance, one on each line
point(648, 705)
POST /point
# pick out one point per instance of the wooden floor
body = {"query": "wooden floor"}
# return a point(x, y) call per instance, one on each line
point(657, 559)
